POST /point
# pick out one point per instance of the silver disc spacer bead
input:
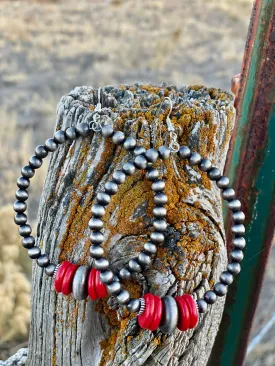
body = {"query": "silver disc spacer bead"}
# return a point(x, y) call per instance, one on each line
point(142, 306)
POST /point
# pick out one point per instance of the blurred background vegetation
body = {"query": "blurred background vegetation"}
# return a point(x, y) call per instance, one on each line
point(48, 48)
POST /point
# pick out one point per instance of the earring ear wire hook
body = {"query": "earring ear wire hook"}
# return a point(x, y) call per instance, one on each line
point(95, 124)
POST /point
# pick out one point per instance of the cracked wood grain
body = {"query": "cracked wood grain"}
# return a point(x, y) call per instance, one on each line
point(69, 332)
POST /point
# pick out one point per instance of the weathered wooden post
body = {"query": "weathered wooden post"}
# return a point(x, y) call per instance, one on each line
point(69, 332)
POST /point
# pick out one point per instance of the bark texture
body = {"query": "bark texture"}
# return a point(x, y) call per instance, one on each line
point(69, 332)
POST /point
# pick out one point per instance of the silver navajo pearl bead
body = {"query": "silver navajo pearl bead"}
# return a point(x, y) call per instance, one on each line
point(144, 259)
point(160, 198)
point(95, 223)
point(164, 153)
point(152, 174)
point(34, 252)
point(118, 138)
point(19, 206)
point(133, 306)
point(157, 237)
point(202, 306)
point(82, 129)
point(210, 297)
point(150, 248)
point(35, 162)
point(160, 225)
point(134, 265)
point(238, 217)
point(27, 171)
point(60, 137)
point(28, 242)
point(159, 211)
point(170, 316)
point(119, 176)
point(80, 283)
point(223, 182)
point(25, 230)
point(234, 205)
point(41, 152)
point(20, 219)
point(23, 182)
point(239, 242)
point(234, 268)
point(130, 144)
point(124, 274)
point(49, 269)
point(107, 131)
point(123, 297)
point(220, 289)
point(106, 277)
point(184, 152)
point(195, 158)
point(205, 165)
point(103, 198)
point(21, 195)
point(140, 162)
point(129, 168)
point(139, 150)
point(101, 264)
point(43, 260)
point(158, 185)
point(214, 173)
point(226, 278)
point(98, 210)
point(228, 194)
point(114, 288)
point(238, 229)
point(51, 145)
point(96, 251)
point(236, 255)
point(71, 133)
point(96, 237)
point(152, 155)
point(111, 187)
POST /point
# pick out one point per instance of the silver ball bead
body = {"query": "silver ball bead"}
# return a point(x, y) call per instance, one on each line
point(95, 223)
point(49, 269)
point(82, 129)
point(25, 230)
point(35, 162)
point(223, 182)
point(96, 237)
point(20, 219)
point(214, 173)
point(103, 198)
point(51, 145)
point(43, 260)
point(130, 144)
point(60, 137)
point(239, 242)
point(184, 152)
point(111, 187)
point(71, 133)
point(205, 165)
point(140, 162)
point(144, 259)
point(159, 211)
point(228, 194)
point(150, 248)
point(160, 225)
point(119, 176)
point(21, 195)
point(34, 252)
point(234, 268)
point(152, 155)
point(157, 237)
point(118, 138)
point(19, 206)
point(139, 150)
point(226, 278)
point(98, 210)
point(158, 186)
point(41, 152)
point(102, 264)
point(238, 229)
point(23, 182)
point(114, 288)
point(96, 251)
point(134, 265)
point(129, 169)
point(220, 289)
point(210, 297)
point(194, 158)
point(236, 255)
point(27, 171)
point(164, 152)
point(106, 277)
point(133, 306)
point(160, 199)
point(238, 217)
point(28, 242)
point(202, 306)
point(234, 205)
point(124, 274)
point(107, 131)
point(123, 297)
point(152, 174)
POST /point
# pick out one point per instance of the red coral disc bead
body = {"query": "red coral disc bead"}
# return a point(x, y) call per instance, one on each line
point(100, 288)
point(60, 275)
point(91, 284)
point(68, 279)
point(145, 319)
point(158, 314)
point(194, 314)
point(184, 314)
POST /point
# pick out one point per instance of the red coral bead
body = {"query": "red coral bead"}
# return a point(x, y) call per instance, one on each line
point(184, 314)
point(60, 275)
point(158, 314)
point(91, 284)
point(145, 319)
point(100, 288)
point(68, 279)
point(193, 310)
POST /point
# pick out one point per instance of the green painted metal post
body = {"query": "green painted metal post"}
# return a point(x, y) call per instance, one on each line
point(251, 167)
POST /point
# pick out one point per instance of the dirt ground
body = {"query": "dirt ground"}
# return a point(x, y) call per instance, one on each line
point(48, 48)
